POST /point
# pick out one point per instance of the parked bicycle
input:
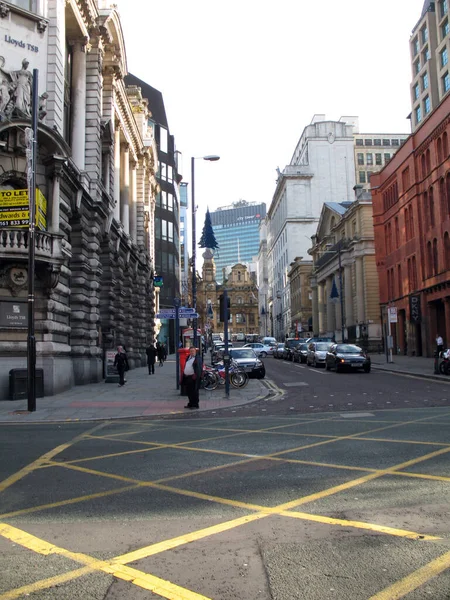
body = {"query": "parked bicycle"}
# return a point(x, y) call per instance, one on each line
point(215, 376)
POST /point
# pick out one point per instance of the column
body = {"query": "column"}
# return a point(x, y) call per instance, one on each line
point(133, 200)
point(321, 311)
point(78, 90)
point(125, 188)
point(331, 321)
point(348, 296)
point(117, 174)
point(360, 311)
point(315, 308)
point(54, 226)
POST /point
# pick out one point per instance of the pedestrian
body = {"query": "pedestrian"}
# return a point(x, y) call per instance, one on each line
point(151, 358)
point(439, 344)
point(165, 352)
point(121, 363)
point(191, 377)
point(160, 352)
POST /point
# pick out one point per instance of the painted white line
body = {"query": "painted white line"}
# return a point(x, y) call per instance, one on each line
point(296, 384)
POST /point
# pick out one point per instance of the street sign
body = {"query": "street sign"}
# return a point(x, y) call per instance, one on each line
point(392, 313)
point(187, 315)
point(168, 314)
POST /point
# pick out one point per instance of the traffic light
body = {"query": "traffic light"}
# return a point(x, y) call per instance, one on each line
point(225, 315)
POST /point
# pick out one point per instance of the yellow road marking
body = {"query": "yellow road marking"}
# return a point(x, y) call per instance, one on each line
point(416, 579)
point(42, 459)
point(32, 509)
point(44, 584)
point(410, 442)
point(423, 476)
point(161, 587)
point(413, 535)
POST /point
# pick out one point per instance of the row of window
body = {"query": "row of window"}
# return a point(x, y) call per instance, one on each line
point(379, 142)
point(165, 230)
point(422, 110)
point(395, 281)
point(369, 159)
point(420, 62)
point(424, 82)
point(390, 196)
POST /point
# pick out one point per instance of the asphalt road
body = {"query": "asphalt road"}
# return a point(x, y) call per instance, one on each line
point(317, 493)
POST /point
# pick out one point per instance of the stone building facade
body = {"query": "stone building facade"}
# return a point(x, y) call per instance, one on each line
point(301, 297)
point(344, 280)
point(96, 170)
point(242, 291)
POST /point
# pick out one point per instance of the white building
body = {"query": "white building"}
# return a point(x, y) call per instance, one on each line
point(322, 169)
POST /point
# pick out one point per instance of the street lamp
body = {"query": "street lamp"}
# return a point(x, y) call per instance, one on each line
point(341, 301)
point(211, 158)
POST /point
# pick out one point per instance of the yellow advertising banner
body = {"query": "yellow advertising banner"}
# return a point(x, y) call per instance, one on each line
point(15, 209)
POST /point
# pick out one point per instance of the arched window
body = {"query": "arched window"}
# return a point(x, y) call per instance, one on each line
point(447, 251)
point(240, 318)
point(428, 159)
point(442, 199)
point(239, 300)
point(445, 145)
point(435, 257)
point(411, 221)
point(423, 166)
point(414, 273)
point(431, 206)
point(439, 150)
point(399, 281)
point(425, 210)
point(429, 260)
point(239, 276)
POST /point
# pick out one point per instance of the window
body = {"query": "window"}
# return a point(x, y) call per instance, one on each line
point(240, 318)
point(426, 55)
point(170, 231)
point(362, 177)
point(239, 300)
point(435, 257)
point(443, 8)
point(378, 160)
point(67, 122)
point(429, 260)
point(425, 82)
point(387, 158)
point(406, 178)
point(445, 29)
point(444, 57)
point(26, 4)
point(397, 233)
point(360, 159)
point(399, 281)
point(369, 159)
point(367, 142)
point(445, 144)
point(414, 272)
point(369, 175)
point(416, 92)
point(163, 139)
point(426, 105)
point(442, 199)
point(359, 142)
point(395, 142)
point(386, 142)
point(418, 113)
point(424, 34)
point(445, 83)
point(377, 142)
point(431, 206)
point(415, 46)
point(417, 67)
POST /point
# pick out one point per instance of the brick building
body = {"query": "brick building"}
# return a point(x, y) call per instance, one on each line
point(411, 208)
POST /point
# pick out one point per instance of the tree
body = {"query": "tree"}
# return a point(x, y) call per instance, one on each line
point(208, 239)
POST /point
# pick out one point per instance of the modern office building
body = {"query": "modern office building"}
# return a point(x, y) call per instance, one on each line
point(167, 212)
point(430, 47)
point(184, 244)
point(236, 229)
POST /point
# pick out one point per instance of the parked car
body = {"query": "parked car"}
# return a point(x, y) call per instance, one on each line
point(347, 356)
point(319, 339)
point(278, 351)
point(261, 350)
point(300, 352)
point(317, 352)
point(217, 351)
point(269, 341)
point(246, 358)
point(289, 345)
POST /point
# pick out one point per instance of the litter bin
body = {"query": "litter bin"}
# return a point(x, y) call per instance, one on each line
point(184, 353)
point(18, 384)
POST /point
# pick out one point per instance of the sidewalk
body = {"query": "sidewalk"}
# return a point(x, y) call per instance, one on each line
point(408, 365)
point(143, 395)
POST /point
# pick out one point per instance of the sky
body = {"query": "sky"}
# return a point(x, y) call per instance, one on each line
point(242, 78)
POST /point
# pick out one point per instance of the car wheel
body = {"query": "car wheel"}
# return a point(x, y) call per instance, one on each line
point(263, 354)
point(367, 369)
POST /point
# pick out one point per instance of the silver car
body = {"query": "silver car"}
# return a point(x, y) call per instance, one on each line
point(317, 353)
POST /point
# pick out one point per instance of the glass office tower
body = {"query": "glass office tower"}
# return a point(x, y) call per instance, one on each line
point(236, 228)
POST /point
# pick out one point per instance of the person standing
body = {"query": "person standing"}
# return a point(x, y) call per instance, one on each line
point(151, 358)
point(439, 344)
point(192, 375)
point(121, 363)
point(160, 351)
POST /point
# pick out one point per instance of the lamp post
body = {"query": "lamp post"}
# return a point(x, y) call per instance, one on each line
point(212, 158)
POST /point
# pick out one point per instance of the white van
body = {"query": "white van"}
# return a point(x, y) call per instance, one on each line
point(269, 341)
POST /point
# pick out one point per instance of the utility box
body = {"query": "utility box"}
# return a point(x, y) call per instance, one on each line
point(18, 384)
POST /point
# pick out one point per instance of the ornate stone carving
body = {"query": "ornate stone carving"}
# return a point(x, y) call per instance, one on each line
point(42, 25)
point(15, 90)
point(15, 278)
point(4, 10)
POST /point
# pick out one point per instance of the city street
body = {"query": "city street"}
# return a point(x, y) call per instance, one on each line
point(335, 487)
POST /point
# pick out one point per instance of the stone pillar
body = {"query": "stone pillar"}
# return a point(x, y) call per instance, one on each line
point(78, 132)
point(348, 296)
point(321, 302)
point(133, 201)
point(117, 174)
point(360, 310)
point(331, 321)
point(315, 309)
point(54, 226)
point(125, 188)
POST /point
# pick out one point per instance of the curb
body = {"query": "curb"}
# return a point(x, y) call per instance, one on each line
point(432, 376)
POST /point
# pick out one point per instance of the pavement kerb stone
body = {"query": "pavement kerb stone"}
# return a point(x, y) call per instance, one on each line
point(432, 376)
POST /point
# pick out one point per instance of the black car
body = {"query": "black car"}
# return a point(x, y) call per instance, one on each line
point(347, 356)
point(300, 352)
point(278, 350)
point(247, 359)
point(289, 345)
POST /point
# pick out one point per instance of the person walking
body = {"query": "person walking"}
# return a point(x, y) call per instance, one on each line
point(151, 358)
point(160, 352)
point(192, 375)
point(121, 363)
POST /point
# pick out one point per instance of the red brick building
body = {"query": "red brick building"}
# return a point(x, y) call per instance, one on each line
point(411, 209)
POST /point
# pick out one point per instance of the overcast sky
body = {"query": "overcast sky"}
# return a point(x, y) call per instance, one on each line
point(242, 78)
